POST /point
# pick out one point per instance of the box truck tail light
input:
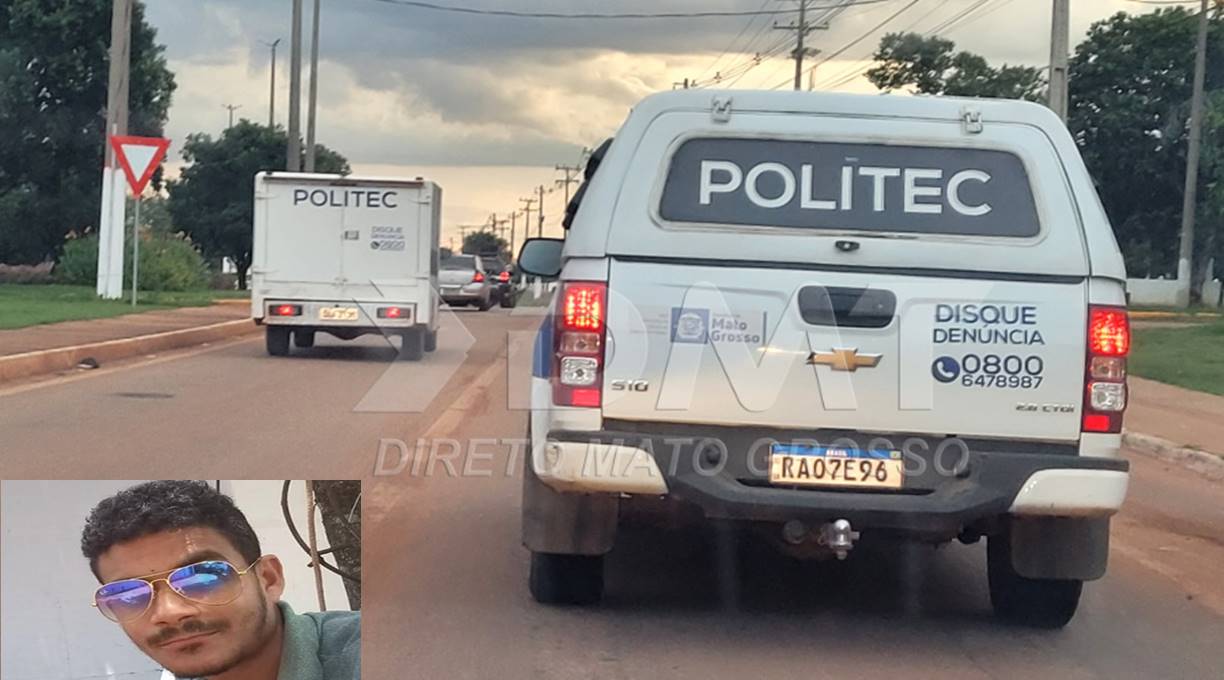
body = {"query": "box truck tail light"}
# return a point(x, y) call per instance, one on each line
point(504, 277)
point(286, 310)
point(393, 313)
point(478, 277)
point(580, 333)
point(1109, 342)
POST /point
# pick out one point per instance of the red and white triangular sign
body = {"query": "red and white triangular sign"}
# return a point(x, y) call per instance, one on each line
point(139, 158)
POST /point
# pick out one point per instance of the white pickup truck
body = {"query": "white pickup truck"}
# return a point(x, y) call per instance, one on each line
point(347, 256)
point(843, 318)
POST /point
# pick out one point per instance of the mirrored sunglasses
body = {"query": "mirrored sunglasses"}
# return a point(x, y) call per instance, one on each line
point(213, 582)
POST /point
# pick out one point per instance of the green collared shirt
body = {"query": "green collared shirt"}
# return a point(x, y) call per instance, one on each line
point(321, 645)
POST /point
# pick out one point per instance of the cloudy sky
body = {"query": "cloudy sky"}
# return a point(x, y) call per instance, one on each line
point(487, 105)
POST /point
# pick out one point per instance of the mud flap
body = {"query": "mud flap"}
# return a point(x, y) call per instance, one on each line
point(566, 523)
point(1059, 547)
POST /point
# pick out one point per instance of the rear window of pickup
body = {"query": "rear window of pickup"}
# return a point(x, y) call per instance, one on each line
point(849, 187)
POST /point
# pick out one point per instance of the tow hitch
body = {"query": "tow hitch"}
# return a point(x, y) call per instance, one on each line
point(839, 537)
point(836, 537)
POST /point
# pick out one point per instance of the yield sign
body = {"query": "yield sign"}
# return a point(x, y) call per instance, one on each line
point(139, 158)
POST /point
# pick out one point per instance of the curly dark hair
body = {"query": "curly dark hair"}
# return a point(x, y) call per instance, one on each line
point(154, 507)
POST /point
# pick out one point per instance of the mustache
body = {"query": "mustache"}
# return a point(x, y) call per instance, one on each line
point(191, 627)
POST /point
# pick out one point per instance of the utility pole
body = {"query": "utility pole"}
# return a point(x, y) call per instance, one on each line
point(1060, 41)
point(272, 89)
point(231, 108)
point(540, 214)
point(801, 29)
point(528, 205)
point(293, 162)
point(111, 222)
point(571, 177)
point(313, 106)
point(1185, 254)
point(513, 229)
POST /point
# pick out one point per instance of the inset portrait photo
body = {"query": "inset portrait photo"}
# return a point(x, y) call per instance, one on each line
point(166, 579)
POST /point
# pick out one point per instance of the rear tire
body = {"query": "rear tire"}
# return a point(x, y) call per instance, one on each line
point(431, 341)
point(1038, 603)
point(303, 339)
point(413, 347)
point(485, 304)
point(277, 341)
point(508, 301)
point(566, 579)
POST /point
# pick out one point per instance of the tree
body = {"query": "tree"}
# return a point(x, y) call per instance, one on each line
point(53, 85)
point(486, 242)
point(213, 200)
point(1131, 82)
point(930, 65)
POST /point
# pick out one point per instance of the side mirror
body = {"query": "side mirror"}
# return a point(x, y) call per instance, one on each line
point(541, 257)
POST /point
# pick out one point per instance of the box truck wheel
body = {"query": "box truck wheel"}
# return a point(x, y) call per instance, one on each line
point(277, 340)
point(566, 579)
point(431, 340)
point(1040, 603)
point(304, 339)
point(413, 347)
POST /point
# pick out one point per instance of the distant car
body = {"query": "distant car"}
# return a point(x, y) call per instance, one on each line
point(504, 291)
point(463, 282)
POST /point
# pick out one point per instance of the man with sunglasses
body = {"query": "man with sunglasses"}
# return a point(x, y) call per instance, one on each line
point(182, 573)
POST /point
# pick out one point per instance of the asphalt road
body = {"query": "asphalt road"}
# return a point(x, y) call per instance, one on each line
point(445, 577)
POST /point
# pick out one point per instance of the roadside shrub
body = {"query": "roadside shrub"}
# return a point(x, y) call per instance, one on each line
point(167, 263)
point(26, 273)
point(78, 266)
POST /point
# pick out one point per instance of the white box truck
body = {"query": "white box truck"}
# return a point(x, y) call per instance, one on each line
point(348, 256)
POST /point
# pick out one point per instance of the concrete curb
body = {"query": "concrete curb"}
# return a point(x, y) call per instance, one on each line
point(1207, 464)
point(64, 358)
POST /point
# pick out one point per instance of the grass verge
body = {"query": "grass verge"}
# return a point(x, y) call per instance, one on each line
point(32, 305)
point(1190, 357)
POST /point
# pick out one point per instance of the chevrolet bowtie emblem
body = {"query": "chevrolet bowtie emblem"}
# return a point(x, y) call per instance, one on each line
point(844, 360)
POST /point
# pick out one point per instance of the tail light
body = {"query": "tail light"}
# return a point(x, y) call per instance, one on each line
point(478, 277)
point(393, 313)
point(1109, 340)
point(286, 310)
point(504, 277)
point(579, 336)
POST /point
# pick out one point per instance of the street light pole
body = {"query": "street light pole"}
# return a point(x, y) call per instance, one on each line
point(293, 161)
point(1185, 254)
point(1060, 41)
point(272, 88)
point(111, 222)
point(312, 107)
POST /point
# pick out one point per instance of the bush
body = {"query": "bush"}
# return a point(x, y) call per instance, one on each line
point(26, 273)
point(167, 263)
point(78, 266)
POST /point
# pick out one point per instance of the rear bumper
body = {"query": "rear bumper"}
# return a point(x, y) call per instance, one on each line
point(942, 493)
point(367, 316)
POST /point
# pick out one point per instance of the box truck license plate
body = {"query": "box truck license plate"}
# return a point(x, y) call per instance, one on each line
point(828, 466)
point(338, 314)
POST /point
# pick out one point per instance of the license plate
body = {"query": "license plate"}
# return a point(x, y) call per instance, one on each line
point(828, 466)
point(338, 314)
point(450, 289)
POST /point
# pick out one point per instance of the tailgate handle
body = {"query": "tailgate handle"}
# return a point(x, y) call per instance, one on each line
point(847, 307)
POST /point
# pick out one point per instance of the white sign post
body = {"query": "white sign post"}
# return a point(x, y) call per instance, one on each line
point(139, 158)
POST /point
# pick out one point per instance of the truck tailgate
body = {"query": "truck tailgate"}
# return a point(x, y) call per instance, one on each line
point(873, 352)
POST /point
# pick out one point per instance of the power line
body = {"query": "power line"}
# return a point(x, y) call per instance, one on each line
point(734, 40)
point(419, 4)
point(870, 32)
point(943, 27)
point(957, 18)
